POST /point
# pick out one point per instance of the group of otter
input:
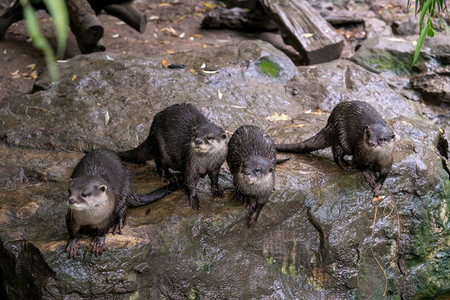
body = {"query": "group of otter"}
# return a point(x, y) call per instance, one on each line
point(182, 139)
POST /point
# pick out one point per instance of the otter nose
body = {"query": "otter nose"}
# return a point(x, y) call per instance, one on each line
point(371, 143)
point(72, 201)
point(247, 172)
point(198, 142)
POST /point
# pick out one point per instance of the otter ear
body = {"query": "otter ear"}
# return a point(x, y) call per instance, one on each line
point(367, 127)
point(103, 188)
point(270, 170)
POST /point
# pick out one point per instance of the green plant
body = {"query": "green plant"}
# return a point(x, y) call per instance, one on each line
point(58, 11)
point(429, 9)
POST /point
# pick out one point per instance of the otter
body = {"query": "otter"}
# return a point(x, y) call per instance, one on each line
point(354, 128)
point(181, 138)
point(252, 159)
point(100, 194)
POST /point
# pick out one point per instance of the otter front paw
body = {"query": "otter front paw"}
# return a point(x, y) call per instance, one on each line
point(376, 189)
point(194, 202)
point(217, 192)
point(98, 245)
point(248, 203)
point(371, 179)
point(72, 248)
point(116, 229)
point(253, 218)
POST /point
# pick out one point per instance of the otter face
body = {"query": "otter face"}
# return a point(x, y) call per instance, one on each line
point(208, 138)
point(256, 170)
point(378, 136)
point(87, 192)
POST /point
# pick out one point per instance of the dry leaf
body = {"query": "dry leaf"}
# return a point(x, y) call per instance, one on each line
point(296, 125)
point(276, 117)
point(153, 18)
point(197, 35)
point(15, 74)
point(170, 51)
point(164, 4)
point(209, 5)
point(115, 36)
point(106, 118)
point(308, 35)
point(219, 94)
point(32, 66)
point(182, 35)
point(378, 198)
point(192, 71)
point(170, 30)
point(73, 77)
point(164, 63)
point(210, 72)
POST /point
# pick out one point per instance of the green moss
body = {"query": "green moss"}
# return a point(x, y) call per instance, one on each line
point(387, 61)
point(193, 294)
point(433, 277)
point(430, 268)
point(270, 68)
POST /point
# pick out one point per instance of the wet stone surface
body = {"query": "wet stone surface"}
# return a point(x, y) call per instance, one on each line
point(319, 237)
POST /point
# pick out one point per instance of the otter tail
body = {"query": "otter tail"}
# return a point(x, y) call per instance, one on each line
point(319, 141)
point(140, 154)
point(282, 160)
point(136, 200)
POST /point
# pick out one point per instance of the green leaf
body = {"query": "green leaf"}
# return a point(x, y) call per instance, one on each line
point(58, 11)
point(423, 34)
point(424, 11)
point(39, 41)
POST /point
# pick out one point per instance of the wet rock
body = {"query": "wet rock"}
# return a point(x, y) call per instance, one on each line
point(427, 81)
point(376, 28)
point(319, 237)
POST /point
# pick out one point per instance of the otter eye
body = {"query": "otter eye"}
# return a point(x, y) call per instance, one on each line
point(257, 170)
point(381, 139)
point(209, 137)
point(84, 195)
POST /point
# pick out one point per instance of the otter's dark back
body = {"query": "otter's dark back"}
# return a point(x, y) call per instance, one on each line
point(106, 164)
point(349, 118)
point(249, 140)
point(171, 132)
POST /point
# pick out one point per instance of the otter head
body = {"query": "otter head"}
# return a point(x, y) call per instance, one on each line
point(208, 139)
point(87, 192)
point(378, 136)
point(256, 169)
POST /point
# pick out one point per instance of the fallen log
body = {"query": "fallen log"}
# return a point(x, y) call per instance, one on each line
point(84, 25)
point(239, 18)
point(129, 14)
point(305, 30)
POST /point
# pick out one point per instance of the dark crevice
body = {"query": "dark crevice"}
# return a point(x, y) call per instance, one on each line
point(442, 147)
